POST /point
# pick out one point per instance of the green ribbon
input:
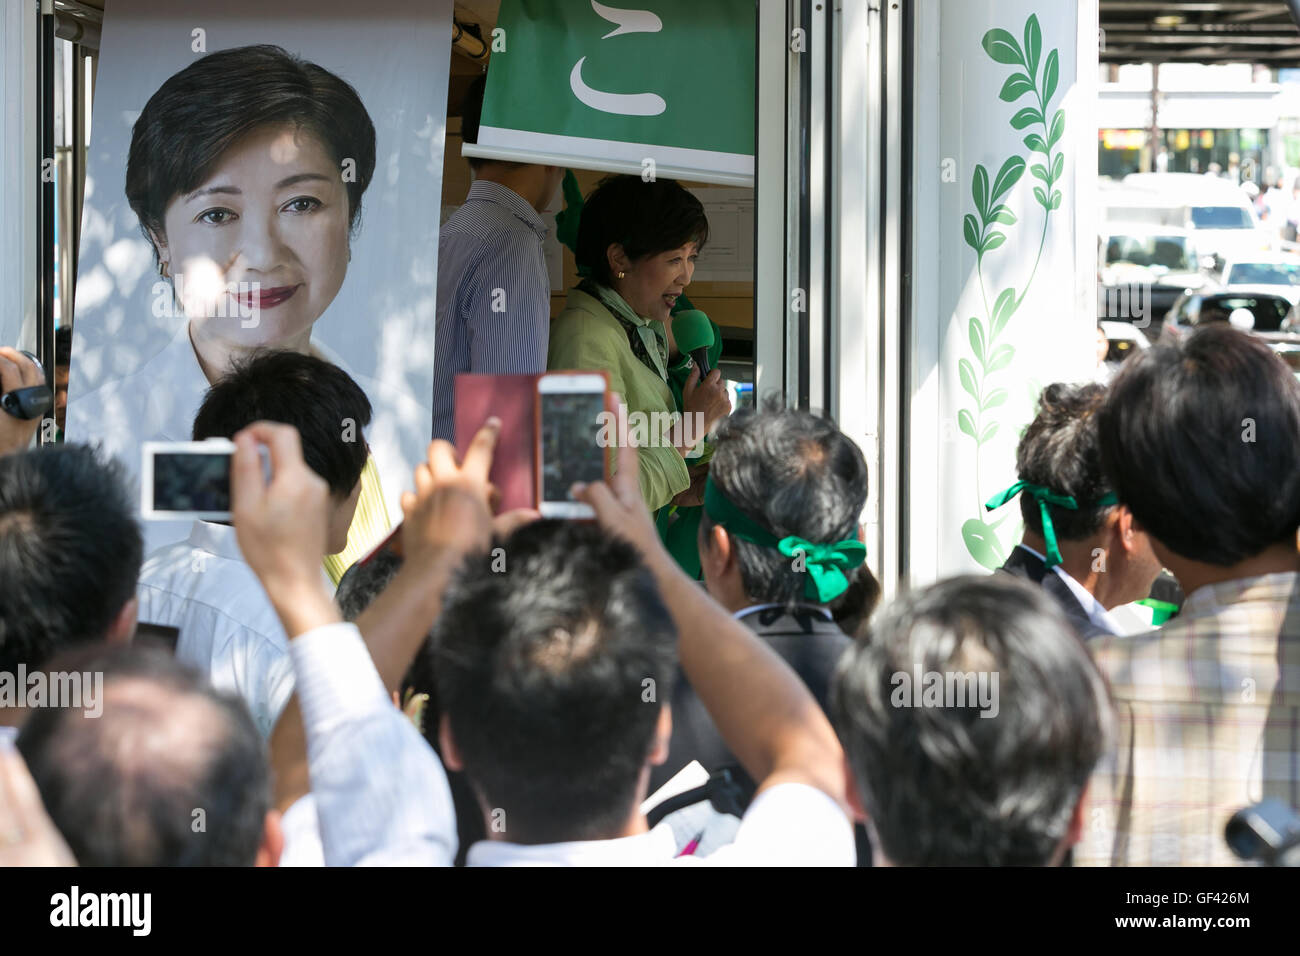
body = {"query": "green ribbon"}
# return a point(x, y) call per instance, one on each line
point(1045, 496)
point(826, 564)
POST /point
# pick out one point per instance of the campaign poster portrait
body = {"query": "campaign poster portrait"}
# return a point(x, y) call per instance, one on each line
point(263, 175)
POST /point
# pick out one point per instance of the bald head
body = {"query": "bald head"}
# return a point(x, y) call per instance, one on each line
point(172, 773)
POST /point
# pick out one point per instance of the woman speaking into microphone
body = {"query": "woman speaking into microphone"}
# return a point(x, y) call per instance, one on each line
point(636, 251)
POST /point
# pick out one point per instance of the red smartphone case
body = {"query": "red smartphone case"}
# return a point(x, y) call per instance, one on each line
point(513, 399)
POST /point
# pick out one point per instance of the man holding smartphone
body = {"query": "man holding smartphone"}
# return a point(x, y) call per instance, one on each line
point(202, 584)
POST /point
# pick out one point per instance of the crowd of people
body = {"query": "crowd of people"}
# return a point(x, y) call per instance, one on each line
point(699, 675)
point(510, 690)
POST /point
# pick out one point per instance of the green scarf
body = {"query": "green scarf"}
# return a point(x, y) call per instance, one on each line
point(826, 563)
point(648, 340)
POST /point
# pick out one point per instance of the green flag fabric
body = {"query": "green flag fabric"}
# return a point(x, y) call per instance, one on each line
point(662, 88)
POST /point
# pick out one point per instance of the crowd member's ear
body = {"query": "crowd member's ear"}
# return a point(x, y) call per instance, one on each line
point(1074, 833)
point(1126, 529)
point(268, 853)
point(122, 627)
point(663, 736)
point(727, 548)
point(447, 744)
point(716, 553)
point(851, 794)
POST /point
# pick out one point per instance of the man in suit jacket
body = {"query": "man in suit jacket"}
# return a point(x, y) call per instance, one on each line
point(1081, 547)
point(777, 545)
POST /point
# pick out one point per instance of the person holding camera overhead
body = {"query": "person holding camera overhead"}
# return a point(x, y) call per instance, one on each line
point(636, 249)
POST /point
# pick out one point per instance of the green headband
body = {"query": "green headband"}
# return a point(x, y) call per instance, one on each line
point(1044, 497)
point(825, 563)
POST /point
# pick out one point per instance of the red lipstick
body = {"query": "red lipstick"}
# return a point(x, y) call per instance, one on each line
point(264, 298)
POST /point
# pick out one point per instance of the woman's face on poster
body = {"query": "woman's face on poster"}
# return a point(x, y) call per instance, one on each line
point(259, 250)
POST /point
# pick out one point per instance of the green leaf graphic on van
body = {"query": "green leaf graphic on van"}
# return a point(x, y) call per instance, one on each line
point(989, 355)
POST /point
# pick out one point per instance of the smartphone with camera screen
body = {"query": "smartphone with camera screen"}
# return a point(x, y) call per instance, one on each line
point(570, 410)
point(187, 480)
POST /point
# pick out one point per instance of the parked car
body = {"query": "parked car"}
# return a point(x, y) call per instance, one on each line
point(1270, 315)
point(1142, 270)
point(1273, 272)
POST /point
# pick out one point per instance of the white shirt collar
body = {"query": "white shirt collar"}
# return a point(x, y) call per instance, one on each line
point(755, 608)
point(645, 849)
point(1096, 612)
point(221, 540)
point(218, 539)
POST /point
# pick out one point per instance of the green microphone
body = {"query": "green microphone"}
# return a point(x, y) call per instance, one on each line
point(693, 333)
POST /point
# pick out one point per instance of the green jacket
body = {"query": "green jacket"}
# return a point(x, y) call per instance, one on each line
point(586, 336)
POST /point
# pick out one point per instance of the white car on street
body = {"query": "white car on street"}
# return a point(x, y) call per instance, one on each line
point(1278, 273)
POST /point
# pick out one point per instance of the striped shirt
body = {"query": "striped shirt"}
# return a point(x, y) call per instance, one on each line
point(1209, 722)
point(494, 295)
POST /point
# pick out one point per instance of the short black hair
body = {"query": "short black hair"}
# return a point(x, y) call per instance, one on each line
point(794, 473)
point(1201, 439)
point(314, 396)
point(200, 112)
point(646, 218)
point(941, 784)
point(125, 788)
point(70, 550)
point(362, 583)
point(552, 673)
point(1059, 450)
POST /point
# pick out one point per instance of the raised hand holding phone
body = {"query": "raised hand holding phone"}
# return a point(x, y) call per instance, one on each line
point(282, 524)
point(449, 510)
point(569, 410)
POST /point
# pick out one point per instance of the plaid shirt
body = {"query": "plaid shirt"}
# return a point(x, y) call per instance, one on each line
point(1208, 722)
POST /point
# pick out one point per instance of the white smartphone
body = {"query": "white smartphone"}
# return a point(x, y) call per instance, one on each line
point(569, 409)
point(185, 480)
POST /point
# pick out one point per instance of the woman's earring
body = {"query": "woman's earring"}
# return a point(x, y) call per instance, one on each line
point(621, 275)
point(164, 270)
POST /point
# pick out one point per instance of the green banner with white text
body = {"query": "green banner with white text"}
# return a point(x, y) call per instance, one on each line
point(666, 86)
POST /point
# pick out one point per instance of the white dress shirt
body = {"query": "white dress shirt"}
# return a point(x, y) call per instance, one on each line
point(380, 791)
point(302, 846)
point(791, 824)
point(755, 608)
point(228, 629)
